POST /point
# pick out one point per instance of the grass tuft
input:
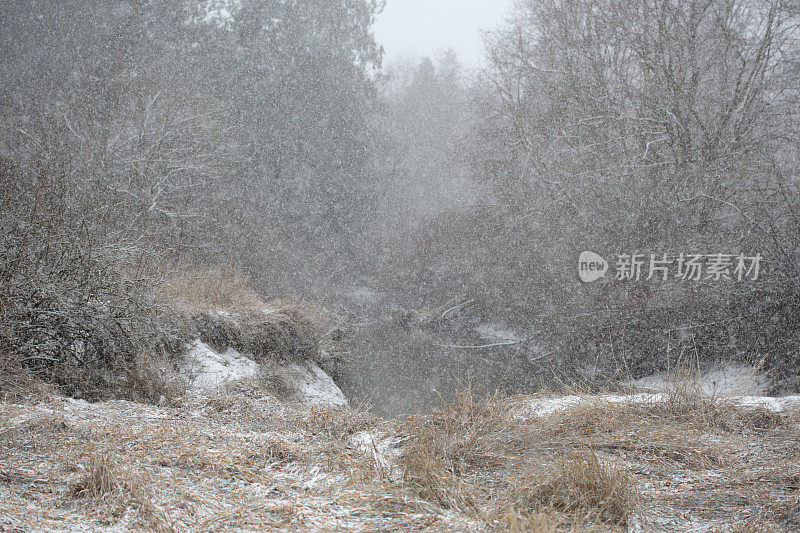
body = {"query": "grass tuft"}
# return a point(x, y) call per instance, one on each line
point(579, 484)
point(101, 480)
point(218, 288)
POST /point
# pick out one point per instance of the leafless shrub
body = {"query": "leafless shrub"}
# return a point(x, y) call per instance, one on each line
point(70, 313)
point(86, 306)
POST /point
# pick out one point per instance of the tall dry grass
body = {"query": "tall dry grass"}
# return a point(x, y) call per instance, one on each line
point(579, 484)
point(209, 288)
point(474, 456)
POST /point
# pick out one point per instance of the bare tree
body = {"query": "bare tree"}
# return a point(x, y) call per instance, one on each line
point(652, 126)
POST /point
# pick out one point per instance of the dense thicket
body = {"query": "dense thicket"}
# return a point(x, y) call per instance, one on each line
point(660, 127)
point(262, 132)
point(136, 133)
point(223, 131)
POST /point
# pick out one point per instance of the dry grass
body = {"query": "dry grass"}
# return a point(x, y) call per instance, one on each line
point(18, 383)
point(642, 429)
point(114, 490)
point(473, 456)
point(753, 525)
point(436, 480)
point(220, 288)
point(238, 459)
point(599, 462)
point(222, 300)
point(219, 306)
point(283, 334)
point(581, 485)
point(259, 465)
point(101, 481)
point(539, 521)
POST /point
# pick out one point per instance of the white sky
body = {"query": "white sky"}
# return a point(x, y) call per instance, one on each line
point(425, 27)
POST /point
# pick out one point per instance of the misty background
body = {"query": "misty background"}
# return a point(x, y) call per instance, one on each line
point(438, 197)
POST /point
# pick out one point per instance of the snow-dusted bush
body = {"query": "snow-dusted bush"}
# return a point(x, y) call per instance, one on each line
point(73, 309)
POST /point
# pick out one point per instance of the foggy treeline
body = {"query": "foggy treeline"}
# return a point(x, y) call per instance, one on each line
point(272, 135)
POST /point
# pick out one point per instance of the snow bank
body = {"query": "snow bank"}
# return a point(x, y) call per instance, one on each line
point(548, 406)
point(204, 369)
point(313, 385)
point(729, 380)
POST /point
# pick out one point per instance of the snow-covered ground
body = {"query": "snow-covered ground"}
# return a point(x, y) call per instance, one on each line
point(313, 385)
point(224, 459)
point(734, 384)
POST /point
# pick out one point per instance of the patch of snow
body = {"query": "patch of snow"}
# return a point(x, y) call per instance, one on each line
point(776, 404)
point(316, 477)
point(496, 332)
point(369, 440)
point(730, 380)
point(313, 385)
point(548, 406)
point(385, 451)
point(206, 369)
point(362, 295)
point(217, 13)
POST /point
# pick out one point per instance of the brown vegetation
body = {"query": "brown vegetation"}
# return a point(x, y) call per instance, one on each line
point(238, 458)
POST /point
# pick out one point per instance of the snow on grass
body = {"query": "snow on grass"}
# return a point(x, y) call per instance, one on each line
point(384, 449)
point(776, 404)
point(547, 406)
point(736, 380)
point(239, 459)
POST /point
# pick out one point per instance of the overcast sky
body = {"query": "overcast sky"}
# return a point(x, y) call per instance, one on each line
point(424, 27)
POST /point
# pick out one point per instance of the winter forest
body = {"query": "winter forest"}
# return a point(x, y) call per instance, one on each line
point(257, 176)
